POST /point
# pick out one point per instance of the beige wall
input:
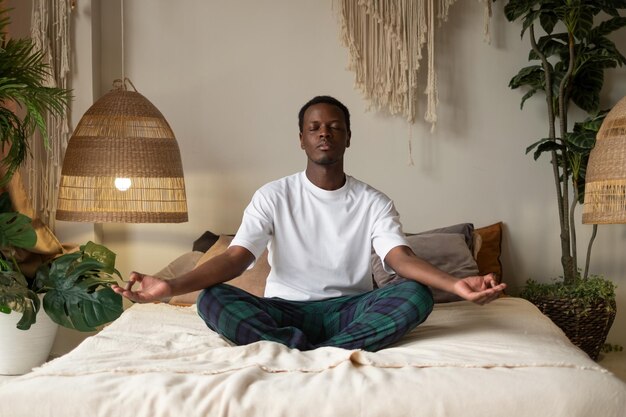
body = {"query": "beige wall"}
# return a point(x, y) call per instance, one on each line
point(230, 76)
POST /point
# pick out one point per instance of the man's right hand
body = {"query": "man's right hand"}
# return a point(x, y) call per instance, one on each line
point(221, 268)
point(150, 288)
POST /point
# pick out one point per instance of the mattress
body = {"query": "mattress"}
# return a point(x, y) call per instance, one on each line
point(504, 358)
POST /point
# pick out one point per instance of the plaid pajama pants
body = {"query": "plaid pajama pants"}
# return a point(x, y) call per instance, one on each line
point(368, 321)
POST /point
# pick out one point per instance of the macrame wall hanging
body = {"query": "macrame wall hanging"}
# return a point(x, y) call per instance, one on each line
point(386, 39)
point(50, 31)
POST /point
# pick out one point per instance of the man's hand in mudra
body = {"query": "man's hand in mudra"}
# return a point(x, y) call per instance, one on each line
point(150, 288)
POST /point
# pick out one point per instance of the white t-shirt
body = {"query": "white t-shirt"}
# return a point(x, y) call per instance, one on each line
point(319, 241)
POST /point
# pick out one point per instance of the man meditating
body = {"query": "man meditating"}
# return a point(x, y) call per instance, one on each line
point(319, 226)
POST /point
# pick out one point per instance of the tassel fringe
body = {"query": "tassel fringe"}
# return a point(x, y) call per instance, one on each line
point(50, 31)
point(385, 40)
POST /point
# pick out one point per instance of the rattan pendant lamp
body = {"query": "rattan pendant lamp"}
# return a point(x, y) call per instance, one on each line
point(605, 183)
point(122, 163)
point(605, 186)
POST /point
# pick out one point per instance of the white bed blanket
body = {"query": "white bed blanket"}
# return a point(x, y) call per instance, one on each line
point(465, 360)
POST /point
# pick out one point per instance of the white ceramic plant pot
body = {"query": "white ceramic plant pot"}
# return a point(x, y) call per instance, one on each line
point(22, 350)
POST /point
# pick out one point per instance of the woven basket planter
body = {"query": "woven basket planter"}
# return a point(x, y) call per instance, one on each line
point(586, 327)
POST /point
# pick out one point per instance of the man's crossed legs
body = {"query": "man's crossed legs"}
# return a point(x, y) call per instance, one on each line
point(368, 321)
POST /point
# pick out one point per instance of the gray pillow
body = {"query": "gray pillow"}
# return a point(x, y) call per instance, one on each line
point(466, 229)
point(446, 251)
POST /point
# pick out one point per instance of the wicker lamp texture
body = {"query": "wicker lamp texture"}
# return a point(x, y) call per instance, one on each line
point(605, 187)
point(122, 164)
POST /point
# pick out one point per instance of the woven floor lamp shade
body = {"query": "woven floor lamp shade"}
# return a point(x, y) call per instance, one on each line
point(122, 164)
point(605, 186)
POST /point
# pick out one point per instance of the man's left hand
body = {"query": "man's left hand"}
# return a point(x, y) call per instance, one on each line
point(479, 289)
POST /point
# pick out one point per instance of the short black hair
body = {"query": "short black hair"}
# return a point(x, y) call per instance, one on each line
point(326, 100)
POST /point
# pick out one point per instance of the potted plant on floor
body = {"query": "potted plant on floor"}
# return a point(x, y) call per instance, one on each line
point(570, 50)
point(74, 287)
point(71, 290)
point(74, 290)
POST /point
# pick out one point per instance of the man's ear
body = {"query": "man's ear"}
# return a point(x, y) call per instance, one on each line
point(301, 144)
point(348, 141)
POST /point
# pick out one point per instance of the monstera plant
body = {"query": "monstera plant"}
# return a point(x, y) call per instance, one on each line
point(75, 286)
point(570, 50)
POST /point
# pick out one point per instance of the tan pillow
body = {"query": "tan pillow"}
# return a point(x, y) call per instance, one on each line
point(47, 246)
point(477, 241)
point(47, 243)
point(184, 263)
point(252, 280)
point(488, 257)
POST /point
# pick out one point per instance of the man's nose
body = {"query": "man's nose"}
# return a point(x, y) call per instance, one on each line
point(324, 131)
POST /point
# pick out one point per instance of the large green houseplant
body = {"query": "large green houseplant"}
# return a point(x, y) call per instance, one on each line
point(75, 286)
point(570, 50)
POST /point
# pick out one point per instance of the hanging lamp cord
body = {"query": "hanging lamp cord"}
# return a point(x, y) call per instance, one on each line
point(122, 36)
point(120, 84)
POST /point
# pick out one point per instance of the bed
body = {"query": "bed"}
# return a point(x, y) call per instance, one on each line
point(504, 358)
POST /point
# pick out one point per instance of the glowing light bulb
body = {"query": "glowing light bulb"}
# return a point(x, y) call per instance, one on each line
point(122, 184)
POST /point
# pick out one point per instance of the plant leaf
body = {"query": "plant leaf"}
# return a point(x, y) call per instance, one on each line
point(606, 48)
point(607, 27)
point(101, 253)
point(548, 18)
point(78, 294)
point(80, 310)
point(529, 19)
point(547, 146)
point(549, 46)
point(5, 203)
point(581, 142)
point(517, 8)
point(16, 230)
point(580, 20)
point(534, 145)
point(593, 122)
point(586, 87)
point(56, 274)
point(528, 95)
point(532, 75)
point(16, 296)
